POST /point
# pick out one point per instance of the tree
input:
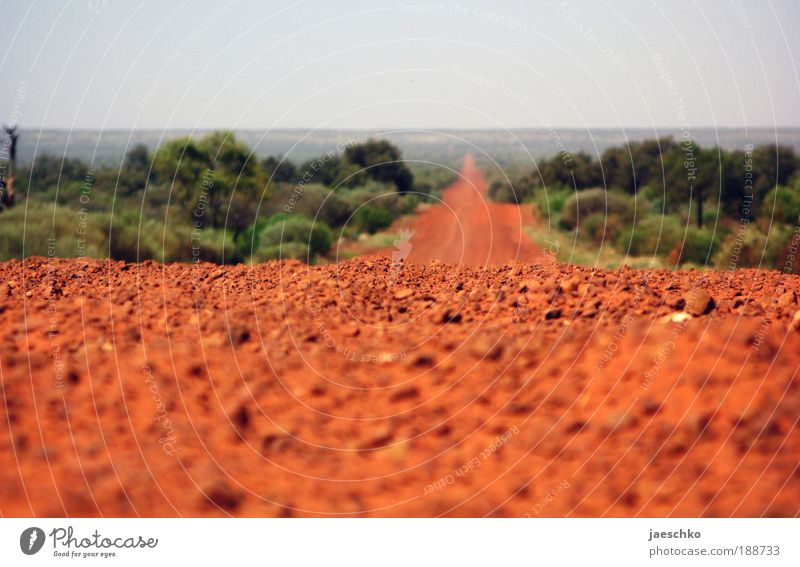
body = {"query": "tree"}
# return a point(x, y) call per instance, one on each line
point(232, 171)
point(279, 170)
point(181, 163)
point(382, 161)
point(205, 174)
point(772, 165)
point(135, 172)
point(138, 157)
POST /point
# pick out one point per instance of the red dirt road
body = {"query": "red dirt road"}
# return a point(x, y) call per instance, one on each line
point(467, 229)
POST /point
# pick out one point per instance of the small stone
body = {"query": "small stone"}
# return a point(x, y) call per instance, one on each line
point(224, 496)
point(351, 330)
point(676, 318)
point(53, 291)
point(241, 418)
point(486, 348)
point(570, 284)
point(699, 302)
point(409, 393)
point(675, 301)
point(787, 298)
point(553, 314)
point(403, 293)
point(446, 316)
point(378, 436)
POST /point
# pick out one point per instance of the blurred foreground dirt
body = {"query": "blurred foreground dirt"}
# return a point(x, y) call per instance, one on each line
point(381, 388)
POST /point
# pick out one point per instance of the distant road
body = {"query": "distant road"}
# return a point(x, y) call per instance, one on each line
point(468, 229)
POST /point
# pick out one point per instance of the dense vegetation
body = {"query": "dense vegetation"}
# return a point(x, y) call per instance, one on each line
point(210, 199)
point(673, 201)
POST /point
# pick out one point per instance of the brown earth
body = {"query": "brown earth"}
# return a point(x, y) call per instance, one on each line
point(380, 388)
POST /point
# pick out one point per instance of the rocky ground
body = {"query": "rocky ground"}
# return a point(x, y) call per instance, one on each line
point(381, 388)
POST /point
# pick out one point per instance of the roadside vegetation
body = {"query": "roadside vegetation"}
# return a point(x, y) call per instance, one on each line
point(661, 203)
point(212, 199)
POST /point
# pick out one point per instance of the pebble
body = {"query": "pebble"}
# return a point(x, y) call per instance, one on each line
point(403, 293)
point(699, 302)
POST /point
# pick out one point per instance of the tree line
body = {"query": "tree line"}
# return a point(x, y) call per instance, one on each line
point(679, 175)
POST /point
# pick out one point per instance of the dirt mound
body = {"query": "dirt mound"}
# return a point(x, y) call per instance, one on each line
point(383, 389)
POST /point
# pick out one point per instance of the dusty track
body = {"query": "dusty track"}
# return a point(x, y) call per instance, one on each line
point(367, 389)
point(467, 229)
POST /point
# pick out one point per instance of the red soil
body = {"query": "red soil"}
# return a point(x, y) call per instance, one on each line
point(380, 388)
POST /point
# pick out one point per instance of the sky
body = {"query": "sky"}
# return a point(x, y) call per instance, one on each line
point(93, 64)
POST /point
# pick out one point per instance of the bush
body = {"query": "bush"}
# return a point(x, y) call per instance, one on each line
point(551, 202)
point(596, 228)
point(372, 219)
point(699, 245)
point(712, 216)
point(287, 251)
point(316, 236)
point(317, 201)
point(28, 232)
point(749, 247)
point(382, 196)
point(502, 192)
point(783, 204)
point(653, 236)
point(521, 190)
point(583, 204)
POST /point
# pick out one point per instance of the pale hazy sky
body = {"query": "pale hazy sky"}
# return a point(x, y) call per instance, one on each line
point(374, 64)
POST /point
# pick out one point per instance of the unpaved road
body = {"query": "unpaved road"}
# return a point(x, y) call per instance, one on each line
point(467, 229)
point(379, 388)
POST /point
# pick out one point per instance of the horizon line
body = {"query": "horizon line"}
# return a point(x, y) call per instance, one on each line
point(402, 129)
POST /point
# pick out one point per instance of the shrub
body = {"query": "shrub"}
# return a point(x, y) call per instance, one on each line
point(699, 245)
point(316, 201)
point(287, 251)
point(214, 245)
point(585, 203)
point(551, 203)
point(379, 195)
point(749, 247)
point(502, 192)
point(316, 236)
point(596, 227)
point(653, 236)
point(521, 189)
point(371, 219)
point(783, 247)
point(783, 204)
point(28, 232)
point(712, 216)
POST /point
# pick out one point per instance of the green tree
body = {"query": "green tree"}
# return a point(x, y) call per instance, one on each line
point(136, 170)
point(279, 170)
point(233, 170)
point(205, 174)
point(181, 164)
point(382, 161)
